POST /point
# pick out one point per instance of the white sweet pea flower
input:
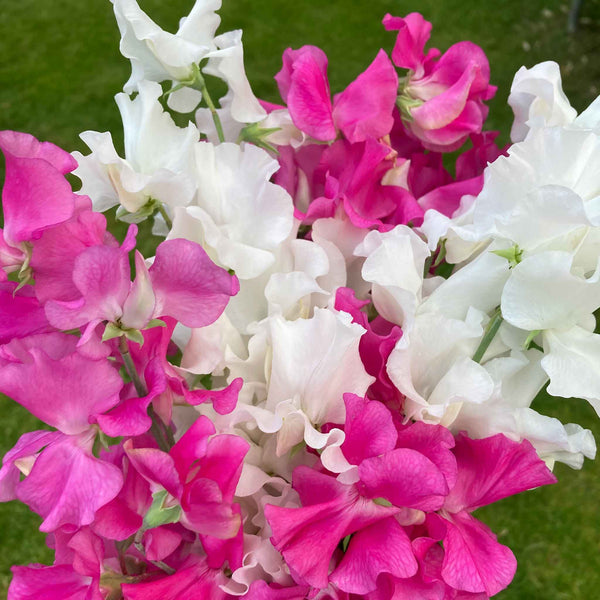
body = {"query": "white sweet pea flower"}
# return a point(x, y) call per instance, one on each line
point(238, 215)
point(157, 55)
point(432, 366)
point(518, 378)
point(394, 266)
point(158, 157)
point(538, 100)
point(297, 373)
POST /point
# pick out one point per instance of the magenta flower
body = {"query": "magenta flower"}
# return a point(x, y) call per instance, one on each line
point(362, 111)
point(441, 98)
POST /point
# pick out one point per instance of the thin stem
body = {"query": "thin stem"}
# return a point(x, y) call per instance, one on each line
point(140, 388)
point(157, 563)
point(165, 216)
point(163, 437)
point(490, 332)
point(200, 85)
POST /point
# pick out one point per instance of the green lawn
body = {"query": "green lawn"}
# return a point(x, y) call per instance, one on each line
point(60, 68)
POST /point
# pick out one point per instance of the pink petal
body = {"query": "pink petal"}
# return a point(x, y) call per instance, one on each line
point(59, 582)
point(192, 445)
point(36, 195)
point(474, 560)
point(116, 521)
point(219, 551)
point(207, 512)
point(54, 254)
point(188, 285)
point(223, 462)
point(364, 109)
point(75, 388)
point(102, 276)
point(155, 466)
point(436, 443)
point(88, 551)
point(446, 199)
point(444, 108)
point(260, 590)
point(223, 401)
point(308, 96)
point(383, 547)
point(406, 478)
point(195, 581)
point(159, 542)
point(130, 418)
point(28, 445)
point(413, 33)
point(369, 429)
point(21, 314)
point(493, 468)
point(308, 536)
point(67, 484)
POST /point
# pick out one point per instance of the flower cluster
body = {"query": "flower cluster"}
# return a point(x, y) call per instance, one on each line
point(329, 362)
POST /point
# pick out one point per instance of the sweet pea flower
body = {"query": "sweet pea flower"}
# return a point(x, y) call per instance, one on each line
point(238, 215)
point(35, 197)
point(182, 282)
point(441, 98)
point(157, 55)
point(157, 168)
point(363, 110)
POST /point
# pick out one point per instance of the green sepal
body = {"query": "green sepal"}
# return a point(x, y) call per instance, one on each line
point(158, 514)
point(528, 343)
point(111, 331)
point(513, 255)
point(155, 323)
point(134, 335)
point(345, 542)
point(255, 134)
point(382, 502)
point(405, 104)
point(139, 215)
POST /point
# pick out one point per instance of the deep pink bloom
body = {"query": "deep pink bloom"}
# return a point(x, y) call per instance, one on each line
point(194, 580)
point(362, 111)
point(442, 98)
point(488, 470)
point(308, 536)
point(59, 582)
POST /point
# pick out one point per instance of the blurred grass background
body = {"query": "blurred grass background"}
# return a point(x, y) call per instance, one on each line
point(61, 67)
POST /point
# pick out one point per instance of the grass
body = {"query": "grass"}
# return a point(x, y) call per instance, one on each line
point(61, 68)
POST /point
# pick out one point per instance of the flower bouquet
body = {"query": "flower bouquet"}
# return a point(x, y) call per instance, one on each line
point(321, 358)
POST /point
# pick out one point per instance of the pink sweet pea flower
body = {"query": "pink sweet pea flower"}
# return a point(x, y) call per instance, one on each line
point(59, 582)
point(194, 579)
point(362, 111)
point(36, 194)
point(488, 470)
point(200, 474)
point(441, 99)
point(182, 283)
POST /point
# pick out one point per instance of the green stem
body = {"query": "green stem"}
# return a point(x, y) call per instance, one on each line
point(163, 436)
point(200, 85)
point(490, 332)
point(165, 216)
